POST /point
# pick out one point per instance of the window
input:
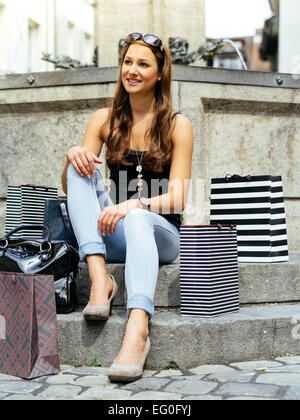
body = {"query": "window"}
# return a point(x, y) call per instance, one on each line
point(71, 40)
point(3, 63)
point(87, 51)
point(1, 21)
point(34, 52)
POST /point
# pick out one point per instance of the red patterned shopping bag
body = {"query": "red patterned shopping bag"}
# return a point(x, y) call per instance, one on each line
point(28, 325)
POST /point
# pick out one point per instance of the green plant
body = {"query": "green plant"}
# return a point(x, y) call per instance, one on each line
point(171, 365)
point(94, 363)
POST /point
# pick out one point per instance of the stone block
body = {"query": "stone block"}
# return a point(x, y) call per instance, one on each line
point(83, 284)
point(254, 390)
point(254, 333)
point(262, 283)
point(258, 283)
point(191, 387)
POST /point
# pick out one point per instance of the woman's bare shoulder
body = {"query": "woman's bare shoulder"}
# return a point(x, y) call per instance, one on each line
point(179, 117)
point(102, 119)
point(102, 115)
point(182, 130)
point(181, 121)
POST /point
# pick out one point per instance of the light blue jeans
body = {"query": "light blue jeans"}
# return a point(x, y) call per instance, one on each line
point(142, 239)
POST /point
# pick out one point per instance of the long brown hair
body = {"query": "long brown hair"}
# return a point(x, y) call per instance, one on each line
point(159, 135)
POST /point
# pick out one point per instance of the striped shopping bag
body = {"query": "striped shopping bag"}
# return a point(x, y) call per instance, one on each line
point(25, 204)
point(209, 284)
point(256, 205)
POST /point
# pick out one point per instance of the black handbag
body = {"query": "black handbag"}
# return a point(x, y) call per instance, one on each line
point(56, 218)
point(43, 256)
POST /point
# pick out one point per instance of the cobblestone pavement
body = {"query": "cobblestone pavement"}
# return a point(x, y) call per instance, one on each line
point(277, 379)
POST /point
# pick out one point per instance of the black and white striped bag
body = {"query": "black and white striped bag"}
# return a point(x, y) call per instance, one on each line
point(256, 205)
point(209, 284)
point(25, 204)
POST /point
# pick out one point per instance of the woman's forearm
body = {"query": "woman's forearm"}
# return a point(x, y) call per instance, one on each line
point(165, 204)
point(172, 202)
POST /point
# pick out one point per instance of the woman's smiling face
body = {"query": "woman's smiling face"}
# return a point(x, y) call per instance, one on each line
point(139, 69)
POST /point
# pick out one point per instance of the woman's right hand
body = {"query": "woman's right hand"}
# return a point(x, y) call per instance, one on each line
point(83, 160)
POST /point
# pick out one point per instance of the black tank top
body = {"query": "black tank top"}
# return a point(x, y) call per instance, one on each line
point(124, 185)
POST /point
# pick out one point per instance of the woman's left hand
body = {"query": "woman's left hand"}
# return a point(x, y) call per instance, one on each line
point(110, 216)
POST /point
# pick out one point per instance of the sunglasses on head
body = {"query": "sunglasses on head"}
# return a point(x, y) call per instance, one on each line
point(149, 39)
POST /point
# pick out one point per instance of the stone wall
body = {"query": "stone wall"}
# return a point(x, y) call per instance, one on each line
point(246, 130)
point(238, 129)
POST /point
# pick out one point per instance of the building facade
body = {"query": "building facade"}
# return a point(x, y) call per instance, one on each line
point(30, 27)
point(114, 19)
point(75, 27)
point(286, 53)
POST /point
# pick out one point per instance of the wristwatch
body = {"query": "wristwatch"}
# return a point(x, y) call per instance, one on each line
point(145, 203)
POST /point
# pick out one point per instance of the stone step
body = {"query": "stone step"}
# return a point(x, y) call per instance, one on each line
point(255, 332)
point(259, 283)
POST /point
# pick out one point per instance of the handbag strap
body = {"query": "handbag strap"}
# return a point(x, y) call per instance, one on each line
point(229, 177)
point(65, 217)
point(47, 237)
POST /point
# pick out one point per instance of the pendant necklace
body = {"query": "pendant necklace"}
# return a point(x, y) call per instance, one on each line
point(139, 169)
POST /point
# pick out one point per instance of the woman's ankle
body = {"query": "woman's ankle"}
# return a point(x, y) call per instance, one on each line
point(96, 263)
point(101, 281)
point(138, 322)
point(97, 269)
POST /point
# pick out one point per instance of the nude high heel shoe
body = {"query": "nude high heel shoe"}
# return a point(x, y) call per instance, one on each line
point(101, 312)
point(129, 373)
